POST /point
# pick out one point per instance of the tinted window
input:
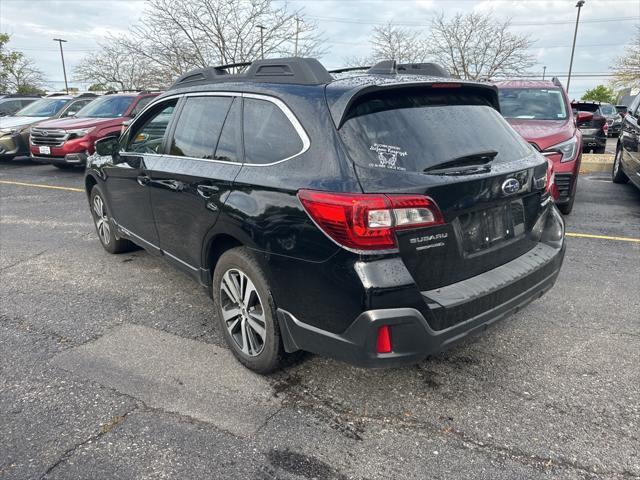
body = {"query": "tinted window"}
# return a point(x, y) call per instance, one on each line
point(533, 103)
point(584, 107)
point(147, 135)
point(413, 130)
point(107, 107)
point(43, 108)
point(199, 126)
point(10, 106)
point(269, 136)
point(230, 139)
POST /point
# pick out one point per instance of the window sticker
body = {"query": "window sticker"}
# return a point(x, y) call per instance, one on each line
point(387, 156)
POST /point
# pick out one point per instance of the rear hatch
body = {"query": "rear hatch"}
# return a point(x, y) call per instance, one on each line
point(450, 143)
point(590, 127)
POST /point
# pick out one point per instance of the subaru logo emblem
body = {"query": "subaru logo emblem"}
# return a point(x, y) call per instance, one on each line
point(510, 186)
point(45, 133)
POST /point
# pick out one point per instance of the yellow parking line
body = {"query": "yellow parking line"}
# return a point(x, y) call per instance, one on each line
point(38, 185)
point(603, 237)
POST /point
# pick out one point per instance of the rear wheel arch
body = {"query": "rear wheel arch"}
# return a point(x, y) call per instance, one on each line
point(216, 247)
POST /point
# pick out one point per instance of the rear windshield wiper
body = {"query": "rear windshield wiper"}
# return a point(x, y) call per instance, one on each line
point(466, 165)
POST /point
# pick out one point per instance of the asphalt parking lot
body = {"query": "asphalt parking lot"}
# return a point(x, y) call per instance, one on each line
point(111, 367)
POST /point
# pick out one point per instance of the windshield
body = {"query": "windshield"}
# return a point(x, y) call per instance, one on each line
point(584, 107)
point(106, 107)
point(415, 130)
point(608, 110)
point(47, 107)
point(533, 103)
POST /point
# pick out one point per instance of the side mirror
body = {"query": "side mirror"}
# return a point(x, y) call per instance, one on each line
point(584, 117)
point(70, 113)
point(107, 146)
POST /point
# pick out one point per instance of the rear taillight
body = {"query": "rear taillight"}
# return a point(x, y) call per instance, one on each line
point(383, 342)
point(605, 128)
point(368, 221)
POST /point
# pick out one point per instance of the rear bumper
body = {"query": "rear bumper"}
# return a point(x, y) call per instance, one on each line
point(479, 301)
point(590, 141)
point(13, 146)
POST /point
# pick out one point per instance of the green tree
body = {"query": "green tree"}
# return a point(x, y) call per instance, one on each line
point(600, 93)
point(97, 87)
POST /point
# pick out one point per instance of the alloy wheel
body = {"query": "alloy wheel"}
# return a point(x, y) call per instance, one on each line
point(243, 312)
point(102, 220)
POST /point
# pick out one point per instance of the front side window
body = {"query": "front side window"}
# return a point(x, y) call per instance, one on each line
point(10, 106)
point(532, 103)
point(269, 136)
point(106, 107)
point(47, 107)
point(149, 135)
point(198, 128)
point(228, 148)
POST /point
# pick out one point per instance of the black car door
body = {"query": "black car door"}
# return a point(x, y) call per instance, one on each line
point(630, 138)
point(127, 176)
point(190, 184)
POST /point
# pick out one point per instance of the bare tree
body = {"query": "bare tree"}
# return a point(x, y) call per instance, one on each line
point(477, 46)
point(114, 67)
point(626, 69)
point(391, 42)
point(17, 72)
point(174, 36)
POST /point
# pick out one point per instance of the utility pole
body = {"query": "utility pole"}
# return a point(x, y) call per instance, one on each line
point(261, 40)
point(64, 70)
point(544, 70)
point(573, 47)
point(295, 49)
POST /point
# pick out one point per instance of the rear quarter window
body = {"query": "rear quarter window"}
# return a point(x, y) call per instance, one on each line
point(415, 130)
point(269, 136)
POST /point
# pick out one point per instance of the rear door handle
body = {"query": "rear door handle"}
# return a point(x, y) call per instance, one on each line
point(143, 180)
point(207, 190)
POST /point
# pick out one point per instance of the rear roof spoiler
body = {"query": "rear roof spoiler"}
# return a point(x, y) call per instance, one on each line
point(339, 107)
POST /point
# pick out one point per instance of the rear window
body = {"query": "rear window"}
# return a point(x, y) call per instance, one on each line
point(533, 103)
point(413, 131)
point(584, 107)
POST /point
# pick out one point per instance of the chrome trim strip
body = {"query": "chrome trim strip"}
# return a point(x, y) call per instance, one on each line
point(181, 261)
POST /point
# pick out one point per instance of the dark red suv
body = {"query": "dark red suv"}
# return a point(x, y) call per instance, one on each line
point(541, 112)
point(69, 141)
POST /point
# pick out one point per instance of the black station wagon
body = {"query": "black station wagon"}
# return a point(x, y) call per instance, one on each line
point(375, 217)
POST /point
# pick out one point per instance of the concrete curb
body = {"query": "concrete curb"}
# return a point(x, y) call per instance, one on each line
point(596, 163)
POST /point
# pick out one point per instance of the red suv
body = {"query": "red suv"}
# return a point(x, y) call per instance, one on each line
point(68, 142)
point(541, 112)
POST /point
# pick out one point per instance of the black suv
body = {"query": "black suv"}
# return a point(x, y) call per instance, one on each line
point(595, 130)
point(626, 163)
point(376, 218)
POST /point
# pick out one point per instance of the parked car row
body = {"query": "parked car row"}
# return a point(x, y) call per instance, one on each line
point(62, 129)
point(10, 104)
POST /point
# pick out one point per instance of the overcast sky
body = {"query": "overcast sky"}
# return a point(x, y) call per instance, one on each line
point(606, 26)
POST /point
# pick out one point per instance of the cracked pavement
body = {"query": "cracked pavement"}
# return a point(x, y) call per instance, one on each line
point(111, 367)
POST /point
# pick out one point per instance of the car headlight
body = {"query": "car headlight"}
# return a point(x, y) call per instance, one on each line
point(567, 148)
point(79, 132)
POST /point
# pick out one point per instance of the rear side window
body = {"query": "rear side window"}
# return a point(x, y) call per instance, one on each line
point(413, 130)
point(199, 126)
point(269, 136)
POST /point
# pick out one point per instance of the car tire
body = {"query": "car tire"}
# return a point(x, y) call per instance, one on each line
point(566, 208)
point(617, 175)
point(247, 319)
point(105, 228)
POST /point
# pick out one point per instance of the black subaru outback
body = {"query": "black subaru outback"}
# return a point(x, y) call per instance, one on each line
point(375, 218)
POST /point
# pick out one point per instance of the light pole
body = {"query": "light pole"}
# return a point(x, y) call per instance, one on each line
point(573, 47)
point(261, 40)
point(544, 70)
point(64, 70)
point(295, 50)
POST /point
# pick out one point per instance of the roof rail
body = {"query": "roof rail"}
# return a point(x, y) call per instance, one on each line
point(21, 95)
point(391, 67)
point(58, 94)
point(556, 81)
point(293, 70)
point(87, 94)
